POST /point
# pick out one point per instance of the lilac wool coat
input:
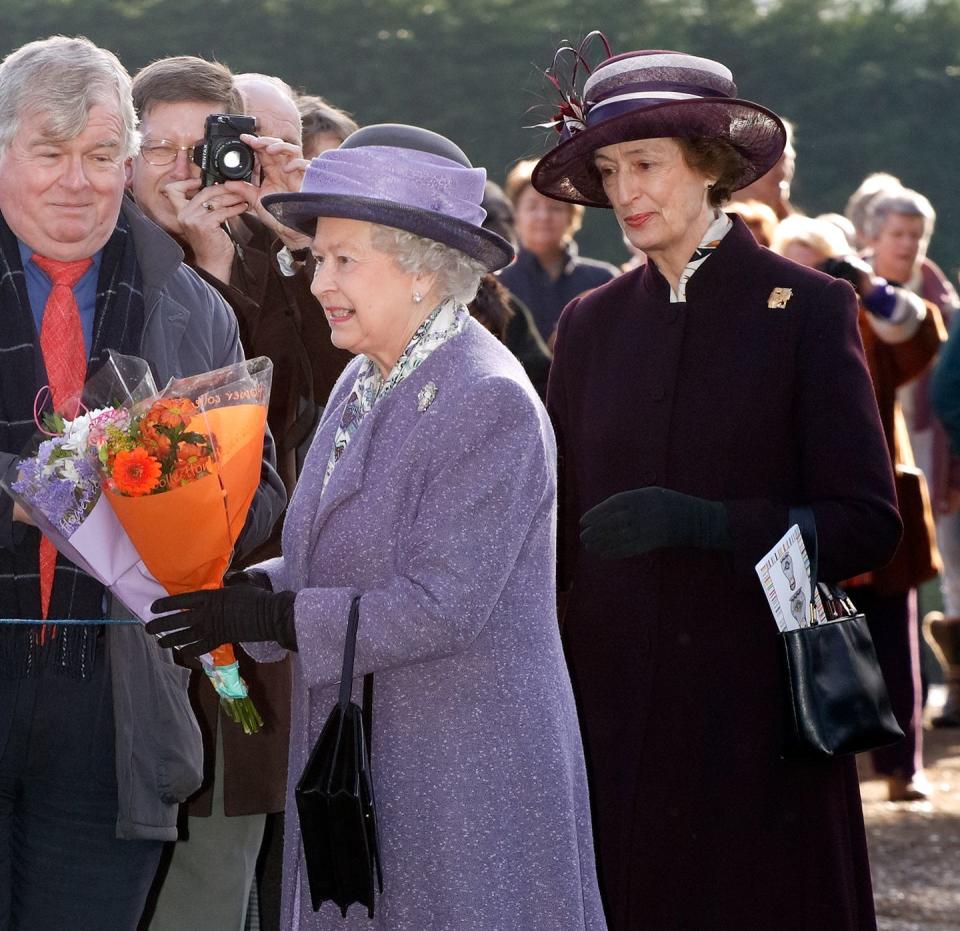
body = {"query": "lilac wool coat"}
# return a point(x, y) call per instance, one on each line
point(443, 520)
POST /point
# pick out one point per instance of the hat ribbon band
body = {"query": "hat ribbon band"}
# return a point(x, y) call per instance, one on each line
point(624, 103)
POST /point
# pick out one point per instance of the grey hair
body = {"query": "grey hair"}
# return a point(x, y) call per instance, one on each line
point(904, 202)
point(63, 78)
point(873, 186)
point(457, 275)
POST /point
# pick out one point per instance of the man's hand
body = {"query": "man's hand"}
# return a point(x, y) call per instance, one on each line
point(241, 613)
point(19, 514)
point(282, 165)
point(201, 214)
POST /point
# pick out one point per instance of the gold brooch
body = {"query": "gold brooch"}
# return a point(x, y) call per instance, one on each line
point(779, 297)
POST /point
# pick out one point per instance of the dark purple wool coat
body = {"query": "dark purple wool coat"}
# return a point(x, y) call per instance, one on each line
point(701, 823)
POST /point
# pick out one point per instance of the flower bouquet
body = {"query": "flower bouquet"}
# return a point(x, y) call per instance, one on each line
point(149, 493)
point(181, 479)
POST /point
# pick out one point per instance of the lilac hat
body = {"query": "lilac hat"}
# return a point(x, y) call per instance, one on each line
point(399, 176)
point(649, 95)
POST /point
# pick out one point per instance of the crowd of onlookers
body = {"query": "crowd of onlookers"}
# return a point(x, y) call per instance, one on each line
point(263, 272)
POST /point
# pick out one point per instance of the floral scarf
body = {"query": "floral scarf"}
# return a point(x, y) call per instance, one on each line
point(444, 322)
point(719, 228)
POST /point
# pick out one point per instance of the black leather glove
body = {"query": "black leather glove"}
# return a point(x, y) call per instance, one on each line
point(645, 519)
point(240, 613)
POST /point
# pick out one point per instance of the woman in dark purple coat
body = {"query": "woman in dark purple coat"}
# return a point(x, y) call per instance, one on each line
point(695, 401)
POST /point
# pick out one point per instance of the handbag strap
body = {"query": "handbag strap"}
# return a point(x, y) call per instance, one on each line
point(349, 650)
point(346, 674)
point(804, 519)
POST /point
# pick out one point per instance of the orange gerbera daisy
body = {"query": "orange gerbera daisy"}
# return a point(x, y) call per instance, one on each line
point(135, 472)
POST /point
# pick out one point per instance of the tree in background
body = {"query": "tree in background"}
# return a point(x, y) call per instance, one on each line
point(871, 84)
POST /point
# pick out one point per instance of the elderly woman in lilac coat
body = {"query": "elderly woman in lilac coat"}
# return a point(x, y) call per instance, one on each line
point(430, 491)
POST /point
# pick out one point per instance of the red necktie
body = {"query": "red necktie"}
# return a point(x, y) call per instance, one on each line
point(65, 358)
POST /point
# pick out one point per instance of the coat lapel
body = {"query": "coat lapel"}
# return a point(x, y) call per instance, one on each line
point(391, 421)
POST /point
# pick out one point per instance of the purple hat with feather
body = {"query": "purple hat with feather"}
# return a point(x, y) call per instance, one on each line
point(400, 176)
point(647, 95)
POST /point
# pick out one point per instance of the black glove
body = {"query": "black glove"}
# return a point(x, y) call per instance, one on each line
point(240, 613)
point(645, 519)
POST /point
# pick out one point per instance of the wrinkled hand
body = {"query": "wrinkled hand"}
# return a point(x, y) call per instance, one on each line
point(635, 522)
point(201, 213)
point(282, 168)
point(238, 614)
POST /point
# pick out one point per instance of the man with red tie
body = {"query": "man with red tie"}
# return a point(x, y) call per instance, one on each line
point(97, 741)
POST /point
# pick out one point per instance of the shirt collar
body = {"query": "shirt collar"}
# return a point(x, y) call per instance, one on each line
point(26, 254)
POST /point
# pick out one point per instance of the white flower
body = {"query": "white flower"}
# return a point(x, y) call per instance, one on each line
point(76, 431)
point(68, 471)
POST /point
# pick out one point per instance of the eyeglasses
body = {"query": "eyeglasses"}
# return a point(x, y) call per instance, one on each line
point(164, 152)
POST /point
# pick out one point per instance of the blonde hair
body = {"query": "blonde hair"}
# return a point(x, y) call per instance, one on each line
point(819, 235)
point(519, 179)
point(758, 216)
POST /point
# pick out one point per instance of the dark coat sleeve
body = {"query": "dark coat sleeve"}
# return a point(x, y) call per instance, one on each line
point(845, 469)
point(524, 341)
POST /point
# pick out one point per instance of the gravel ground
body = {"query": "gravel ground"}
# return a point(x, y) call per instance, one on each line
point(915, 846)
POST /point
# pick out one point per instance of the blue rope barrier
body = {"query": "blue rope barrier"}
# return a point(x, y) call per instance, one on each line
point(53, 623)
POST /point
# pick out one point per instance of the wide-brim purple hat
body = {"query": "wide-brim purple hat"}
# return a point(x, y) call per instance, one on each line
point(400, 176)
point(650, 95)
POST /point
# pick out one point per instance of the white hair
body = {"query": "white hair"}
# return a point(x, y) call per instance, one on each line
point(62, 78)
point(457, 275)
point(906, 203)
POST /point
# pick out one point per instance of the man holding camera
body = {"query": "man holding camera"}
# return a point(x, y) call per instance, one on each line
point(235, 245)
point(97, 742)
point(195, 176)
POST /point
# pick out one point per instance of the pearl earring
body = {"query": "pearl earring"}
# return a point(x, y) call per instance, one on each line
point(417, 297)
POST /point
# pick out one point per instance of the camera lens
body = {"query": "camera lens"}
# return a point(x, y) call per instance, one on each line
point(234, 161)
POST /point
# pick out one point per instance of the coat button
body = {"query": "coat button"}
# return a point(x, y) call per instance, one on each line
point(658, 393)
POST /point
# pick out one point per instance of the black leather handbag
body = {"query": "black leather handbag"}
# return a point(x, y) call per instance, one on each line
point(335, 802)
point(837, 701)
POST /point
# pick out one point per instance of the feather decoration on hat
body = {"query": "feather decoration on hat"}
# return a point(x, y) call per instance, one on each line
point(570, 115)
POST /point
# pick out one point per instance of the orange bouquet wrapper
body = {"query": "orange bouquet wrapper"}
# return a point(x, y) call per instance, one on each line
point(181, 480)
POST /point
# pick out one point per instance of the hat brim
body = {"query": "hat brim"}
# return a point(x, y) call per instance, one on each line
point(301, 211)
point(567, 171)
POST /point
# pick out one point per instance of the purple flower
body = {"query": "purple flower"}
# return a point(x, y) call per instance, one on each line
point(58, 485)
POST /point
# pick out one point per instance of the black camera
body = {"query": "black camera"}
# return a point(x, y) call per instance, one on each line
point(223, 156)
point(842, 268)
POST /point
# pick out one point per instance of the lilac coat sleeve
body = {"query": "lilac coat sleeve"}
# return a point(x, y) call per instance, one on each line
point(484, 479)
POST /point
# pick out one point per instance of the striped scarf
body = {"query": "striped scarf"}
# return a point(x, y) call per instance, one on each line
point(721, 225)
point(118, 324)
